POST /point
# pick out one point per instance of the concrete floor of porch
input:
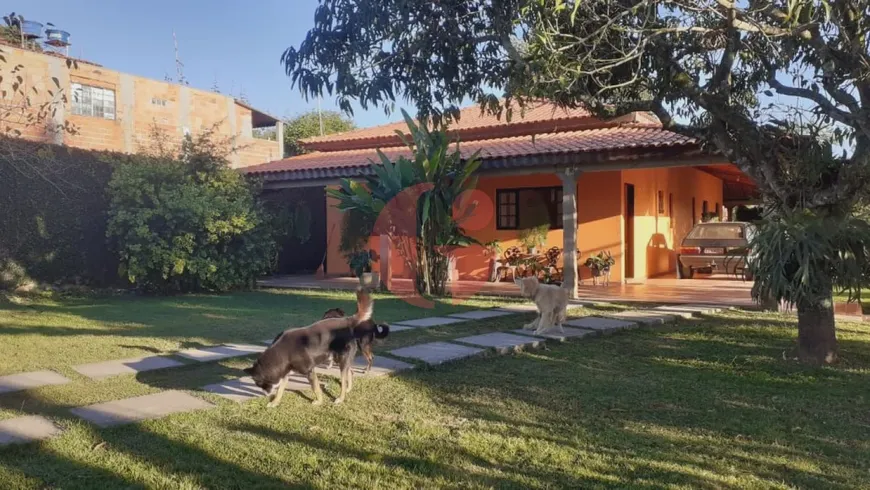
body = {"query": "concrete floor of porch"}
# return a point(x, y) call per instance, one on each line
point(712, 290)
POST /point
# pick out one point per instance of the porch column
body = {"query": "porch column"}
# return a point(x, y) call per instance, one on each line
point(386, 261)
point(569, 230)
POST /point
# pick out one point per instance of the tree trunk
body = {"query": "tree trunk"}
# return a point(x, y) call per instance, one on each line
point(817, 337)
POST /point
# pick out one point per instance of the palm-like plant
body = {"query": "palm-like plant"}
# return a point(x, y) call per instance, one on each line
point(412, 201)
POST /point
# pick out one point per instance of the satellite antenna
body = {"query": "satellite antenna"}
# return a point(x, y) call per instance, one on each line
point(179, 66)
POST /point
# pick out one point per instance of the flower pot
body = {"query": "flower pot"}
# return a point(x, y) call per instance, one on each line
point(370, 280)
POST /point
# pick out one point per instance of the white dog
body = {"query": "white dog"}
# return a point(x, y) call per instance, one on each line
point(551, 301)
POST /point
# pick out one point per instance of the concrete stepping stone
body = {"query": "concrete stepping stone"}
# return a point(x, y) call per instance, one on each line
point(399, 328)
point(140, 408)
point(243, 389)
point(646, 317)
point(502, 342)
point(603, 325)
point(574, 303)
point(436, 352)
point(687, 311)
point(480, 314)
point(19, 430)
point(432, 321)
point(380, 366)
point(100, 370)
point(26, 381)
point(555, 334)
point(519, 308)
point(221, 352)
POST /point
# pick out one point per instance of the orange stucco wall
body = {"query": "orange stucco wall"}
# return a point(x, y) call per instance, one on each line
point(657, 235)
point(600, 213)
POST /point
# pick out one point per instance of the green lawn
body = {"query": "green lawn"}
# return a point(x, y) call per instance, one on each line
point(706, 404)
point(865, 300)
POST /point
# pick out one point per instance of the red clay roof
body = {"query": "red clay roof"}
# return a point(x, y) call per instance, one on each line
point(341, 163)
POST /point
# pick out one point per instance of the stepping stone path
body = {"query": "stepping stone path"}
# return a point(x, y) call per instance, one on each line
point(502, 342)
point(436, 352)
point(480, 314)
point(146, 407)
point(432, 321)
point(100, 370)
point(221, 352)
point(380, 366)
point(32, 428)
point(603, 325)
point(26, 429)
point(243, 389)
point(688, 311)
point(643, 316)
point(26, 381)
point(556, 335)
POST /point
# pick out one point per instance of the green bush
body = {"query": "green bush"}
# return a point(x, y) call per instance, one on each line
point(12, 275)
point(187, 223)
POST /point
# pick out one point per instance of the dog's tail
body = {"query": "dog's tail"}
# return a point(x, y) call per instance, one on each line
point(364, 309)
point(381, 330)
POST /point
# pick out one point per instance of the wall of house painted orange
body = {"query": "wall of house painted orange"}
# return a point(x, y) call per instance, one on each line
point(600, 213)
point(659, 229)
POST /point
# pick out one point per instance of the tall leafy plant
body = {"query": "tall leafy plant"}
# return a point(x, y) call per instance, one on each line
point(413, 202)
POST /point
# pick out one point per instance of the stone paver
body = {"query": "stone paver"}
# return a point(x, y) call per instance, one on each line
point(26, 381)
point(481, 314)
point(574, 303)
point(99, 370)
point(432, 321)
point(139, 408)
point(380, 367)
point(687, 311)
point(221, 352)
point(436, 352)
point(555, 334)
point(399, 328)
point(243, 389)
point(502, 342)
point(647, 317)
point(603, 325)
point(519, 308)
point(26, 429)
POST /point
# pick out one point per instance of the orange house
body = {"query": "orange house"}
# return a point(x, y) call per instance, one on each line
point(625, 186)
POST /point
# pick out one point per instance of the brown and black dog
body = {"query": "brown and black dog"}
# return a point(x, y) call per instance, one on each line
point(365, 333)
point(302, 349)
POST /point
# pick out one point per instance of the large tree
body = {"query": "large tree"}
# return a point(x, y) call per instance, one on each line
point(310, 124)
point(757, 81)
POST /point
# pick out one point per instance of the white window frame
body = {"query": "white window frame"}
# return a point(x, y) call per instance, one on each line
point(88, 100)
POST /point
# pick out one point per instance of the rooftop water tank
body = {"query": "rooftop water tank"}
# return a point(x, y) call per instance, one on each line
point(56, 37)
point(31, 29)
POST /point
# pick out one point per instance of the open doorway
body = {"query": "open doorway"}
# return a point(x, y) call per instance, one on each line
point(629, 231)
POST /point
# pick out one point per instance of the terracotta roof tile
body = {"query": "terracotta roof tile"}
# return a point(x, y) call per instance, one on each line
point(342, 163)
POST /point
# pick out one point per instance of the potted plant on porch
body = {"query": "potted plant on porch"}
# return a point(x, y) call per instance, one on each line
point(360, 263)
point(534, 237)
point(599, 265)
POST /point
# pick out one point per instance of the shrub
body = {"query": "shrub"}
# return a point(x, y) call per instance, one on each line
point(187, 223)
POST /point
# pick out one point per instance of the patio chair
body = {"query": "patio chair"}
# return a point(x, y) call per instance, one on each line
point(552, 262)
point(509, 264)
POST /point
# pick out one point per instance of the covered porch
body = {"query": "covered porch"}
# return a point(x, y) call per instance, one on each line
point(717, 289)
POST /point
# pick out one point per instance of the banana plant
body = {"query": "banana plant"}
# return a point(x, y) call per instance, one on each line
point(415, 197)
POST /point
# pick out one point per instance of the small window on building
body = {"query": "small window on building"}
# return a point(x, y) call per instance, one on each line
point(704, 209)
point(528, 208)
point(661, 202)
point(93, 101)
point(671, 208)
point(160, 102)
point(718, 211)
point(507, 210)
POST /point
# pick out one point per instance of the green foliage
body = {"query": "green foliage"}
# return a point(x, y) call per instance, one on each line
point(602, 261)
point(12, 274)
point(534, 237)
point(361, 261)
point(787, 253)
point(435, 179)
point(189, 223)
point(356, 229)
point(307, 125)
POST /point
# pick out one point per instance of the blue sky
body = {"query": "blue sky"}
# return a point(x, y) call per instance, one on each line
point(239, 44)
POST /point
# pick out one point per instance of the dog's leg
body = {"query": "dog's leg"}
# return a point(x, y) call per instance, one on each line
point(276, 400)
point(534, 323)
point(561, 317)
point(367, 353)
point(544, 323)
point(315, 386)
point(345, 374)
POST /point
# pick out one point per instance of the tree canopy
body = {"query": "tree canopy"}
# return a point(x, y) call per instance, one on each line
point(758, 82)
point(307, 125)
